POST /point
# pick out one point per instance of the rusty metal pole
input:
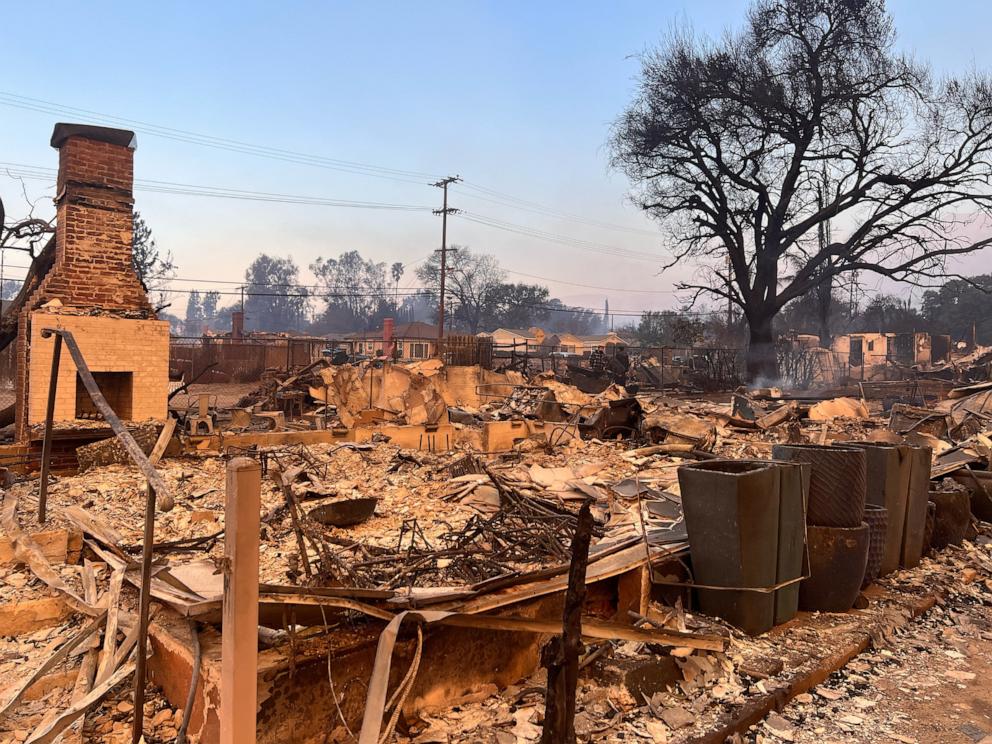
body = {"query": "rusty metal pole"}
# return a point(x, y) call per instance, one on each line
point(147, 546)
point(239, 639)
point(46, 446)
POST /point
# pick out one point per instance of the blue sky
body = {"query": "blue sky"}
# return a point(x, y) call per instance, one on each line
point(516, 97)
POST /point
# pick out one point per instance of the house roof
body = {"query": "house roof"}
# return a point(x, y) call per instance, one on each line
point(416, 329)
point(516, 332)
point(600, 338)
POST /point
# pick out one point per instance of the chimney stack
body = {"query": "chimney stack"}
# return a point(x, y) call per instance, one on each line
point(237, 324)
point(94, 224)
point(387, 337)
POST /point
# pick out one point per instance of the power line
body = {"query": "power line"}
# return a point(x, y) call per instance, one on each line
point(587, 245)
point(508, 200)
point(348, 166)
point(591, 286)
point(320, 294)
point(221, 143)
point(170, 187)
point(428, 292)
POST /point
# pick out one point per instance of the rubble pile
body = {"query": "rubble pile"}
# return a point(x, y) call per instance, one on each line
point(467, 530)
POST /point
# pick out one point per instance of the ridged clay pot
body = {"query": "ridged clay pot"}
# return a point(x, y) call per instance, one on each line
point(837, 482)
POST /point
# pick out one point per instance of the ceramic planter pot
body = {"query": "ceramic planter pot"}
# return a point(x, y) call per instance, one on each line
point(837, 560)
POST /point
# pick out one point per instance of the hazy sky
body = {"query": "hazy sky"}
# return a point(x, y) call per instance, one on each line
point(516, 97)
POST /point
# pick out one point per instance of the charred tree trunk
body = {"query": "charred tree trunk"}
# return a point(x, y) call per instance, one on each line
point(824, 306)
point(561, 655)
point(762, 363)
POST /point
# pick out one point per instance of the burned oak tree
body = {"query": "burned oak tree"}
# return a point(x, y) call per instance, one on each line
point(744, 148)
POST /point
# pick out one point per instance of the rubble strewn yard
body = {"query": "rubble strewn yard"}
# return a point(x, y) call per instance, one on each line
point(450, 527)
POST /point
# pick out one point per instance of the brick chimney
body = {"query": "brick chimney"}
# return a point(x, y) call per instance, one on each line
point(94, 221)
point(100, 298)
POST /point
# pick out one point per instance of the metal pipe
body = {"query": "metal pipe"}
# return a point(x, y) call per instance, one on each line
point(147, 548)
point(46, 446)
point(133, 449)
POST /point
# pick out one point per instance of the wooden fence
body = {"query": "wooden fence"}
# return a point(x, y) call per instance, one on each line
point(239, 360)
point(467, 351)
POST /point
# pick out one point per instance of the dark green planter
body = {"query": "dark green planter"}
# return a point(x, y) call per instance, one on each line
point(745, 521)
point(887, 486)
point(918, 459)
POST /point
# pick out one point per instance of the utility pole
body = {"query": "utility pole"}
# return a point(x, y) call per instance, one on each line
point(444, 212)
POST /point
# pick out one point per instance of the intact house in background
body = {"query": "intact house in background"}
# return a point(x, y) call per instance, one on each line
point(514, 336)
point(412, 341)
point(83, 281)
point(585, 344)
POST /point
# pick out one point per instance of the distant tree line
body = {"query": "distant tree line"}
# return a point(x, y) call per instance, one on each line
point(353, 293)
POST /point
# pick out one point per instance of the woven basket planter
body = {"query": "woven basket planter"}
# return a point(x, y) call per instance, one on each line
point(877, 519)
point(837, 482)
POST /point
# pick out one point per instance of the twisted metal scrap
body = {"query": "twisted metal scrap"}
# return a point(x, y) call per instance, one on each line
point(527, 531)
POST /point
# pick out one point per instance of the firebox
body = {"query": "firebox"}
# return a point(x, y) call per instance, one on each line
point(117, 388)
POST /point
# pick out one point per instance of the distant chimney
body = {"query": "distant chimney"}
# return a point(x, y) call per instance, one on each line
point(387, 337)
point(94, 223)
point(238, 324)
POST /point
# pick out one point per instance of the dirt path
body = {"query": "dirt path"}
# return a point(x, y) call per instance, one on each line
point(933, 684)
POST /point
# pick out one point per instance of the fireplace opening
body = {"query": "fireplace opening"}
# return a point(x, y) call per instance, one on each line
point(117, 388)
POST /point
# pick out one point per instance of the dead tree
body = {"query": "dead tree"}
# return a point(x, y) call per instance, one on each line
point(26, 234)
point(561, 654)
point(729, 144)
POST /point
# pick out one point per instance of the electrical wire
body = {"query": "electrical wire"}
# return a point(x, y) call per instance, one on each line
point(221, 143)
point(508, 200)
point(586, 245)
point(473, 190)
point(591, 286)
point(171, 187)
